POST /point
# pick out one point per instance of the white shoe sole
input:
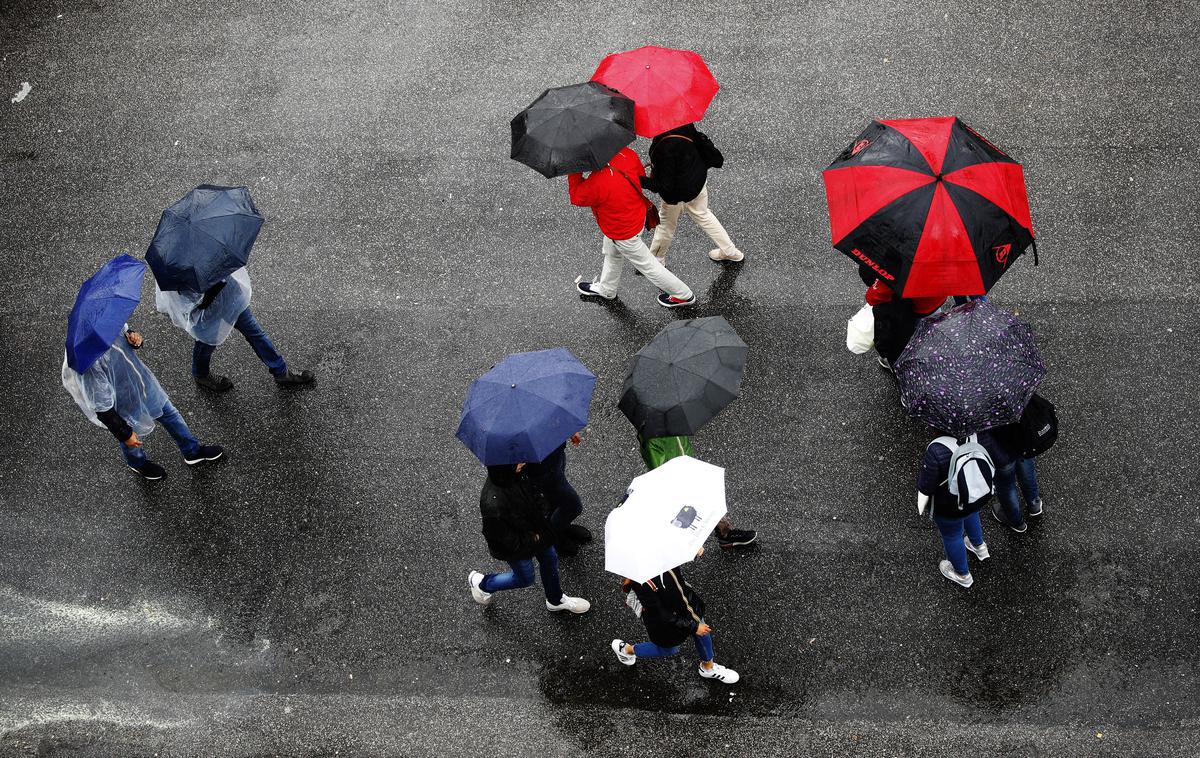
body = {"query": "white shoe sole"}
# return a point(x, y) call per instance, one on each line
point(147, 478)
point(195, 461)
point(478, 595)
point(722, 258)
point(572, 609)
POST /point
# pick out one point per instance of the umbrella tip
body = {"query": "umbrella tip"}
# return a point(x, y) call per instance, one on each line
point(514, 386)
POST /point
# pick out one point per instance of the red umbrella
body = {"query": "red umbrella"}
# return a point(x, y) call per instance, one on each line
point(669, 87)
point(933, 208)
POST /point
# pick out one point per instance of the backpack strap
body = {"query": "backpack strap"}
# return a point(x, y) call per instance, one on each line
point(636, 186)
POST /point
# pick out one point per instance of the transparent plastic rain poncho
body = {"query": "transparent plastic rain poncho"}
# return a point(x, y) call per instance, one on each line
point(213, 324)
point(119, 380)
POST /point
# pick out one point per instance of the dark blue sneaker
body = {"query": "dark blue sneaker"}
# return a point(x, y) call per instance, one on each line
point(585, 289)
point(204, 453)
point(149, 470)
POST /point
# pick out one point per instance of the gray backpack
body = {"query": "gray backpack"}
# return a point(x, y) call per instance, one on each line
point(971, 472)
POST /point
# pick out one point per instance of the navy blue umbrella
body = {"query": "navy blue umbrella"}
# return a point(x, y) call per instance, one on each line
point(526, 406)
point(102, 307)
point(203, 238)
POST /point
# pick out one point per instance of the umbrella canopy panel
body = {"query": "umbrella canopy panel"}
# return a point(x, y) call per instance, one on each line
point(930, 205)
point(667, 517)
point(575, 128)
point(525, 406)
point(969, 369)
point(689, 372)
point(103, 305)
point(670, 87)
point(203, 238)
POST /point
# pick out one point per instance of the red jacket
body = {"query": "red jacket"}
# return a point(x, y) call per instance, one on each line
point(880, 293)
point(618, 205)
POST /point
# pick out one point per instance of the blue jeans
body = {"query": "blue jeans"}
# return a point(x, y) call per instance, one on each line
point(704, 648)
point(1024, 474)
point(952, 538)
point(521, 575)
point(246, 324)
point(175, 426)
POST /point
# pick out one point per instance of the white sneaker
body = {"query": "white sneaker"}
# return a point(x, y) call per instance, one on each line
point(481, 597)
point(618, 647)
point(719, 255)
point(962, 580)
point(720, 673)
point(568, 603)
point(981, 552)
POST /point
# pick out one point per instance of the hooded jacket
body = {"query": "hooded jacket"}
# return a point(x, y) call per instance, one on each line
point(671, 608)
point(678, 166)
point(515, 515)
point(617, 202)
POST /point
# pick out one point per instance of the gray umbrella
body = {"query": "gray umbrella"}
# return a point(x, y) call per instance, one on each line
point(575, 128)
point(969, 369)
point(685, 376)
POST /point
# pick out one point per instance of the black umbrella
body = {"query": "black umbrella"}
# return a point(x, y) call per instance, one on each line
point(685, 376)
point(969, 369)
point(575, 128)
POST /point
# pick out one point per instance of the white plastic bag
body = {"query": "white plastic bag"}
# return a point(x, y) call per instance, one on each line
point(860, 331)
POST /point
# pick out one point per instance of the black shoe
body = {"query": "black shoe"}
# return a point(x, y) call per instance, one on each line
point(1003, 521)
point(566, 547)
point(737, 538)
point(150, 470)
point(204, 453)
point(670, 301)
point(585, 289)
point(215, 382)
point(295, 378)
point(578, 532)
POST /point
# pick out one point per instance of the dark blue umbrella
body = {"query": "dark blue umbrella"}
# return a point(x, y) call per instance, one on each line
point(102, 307)
point(203, 238)
point(526, 406)
point(969, 369)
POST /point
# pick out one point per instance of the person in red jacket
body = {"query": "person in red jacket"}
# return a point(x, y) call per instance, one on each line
point(614, 193)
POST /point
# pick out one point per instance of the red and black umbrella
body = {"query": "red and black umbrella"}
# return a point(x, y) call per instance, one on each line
point(669, 87)
point(929, 205)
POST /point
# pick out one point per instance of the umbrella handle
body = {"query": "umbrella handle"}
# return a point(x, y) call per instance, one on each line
point(1035, 255)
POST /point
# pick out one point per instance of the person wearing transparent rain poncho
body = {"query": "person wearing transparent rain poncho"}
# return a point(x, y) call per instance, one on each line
point(209, 318)
point(120, 393)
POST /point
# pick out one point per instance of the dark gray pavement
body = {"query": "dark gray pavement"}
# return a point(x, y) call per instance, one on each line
point(307, 596)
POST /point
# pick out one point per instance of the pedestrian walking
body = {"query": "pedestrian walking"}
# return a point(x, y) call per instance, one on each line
point(1032, 435)
point(679, 160)
point(658, 450)
point(120, 393)
point(550, 476)
point(516, 525)
point(955, 482)
point(108, 381)
point(896, 319)
point(672, 611)
point(209, 318)
point(198, 256)
point(615, 196)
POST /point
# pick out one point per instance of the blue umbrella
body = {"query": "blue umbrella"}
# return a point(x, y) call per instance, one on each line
point(203, 238)
point(102, 307)
point(526, 406)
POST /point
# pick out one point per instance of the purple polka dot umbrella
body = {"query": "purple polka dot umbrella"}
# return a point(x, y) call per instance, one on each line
point(969, 369)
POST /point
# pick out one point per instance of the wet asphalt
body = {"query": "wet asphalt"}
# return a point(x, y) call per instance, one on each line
point(307, 595)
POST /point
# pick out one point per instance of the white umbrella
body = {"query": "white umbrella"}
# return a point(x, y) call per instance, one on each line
point(668, 515)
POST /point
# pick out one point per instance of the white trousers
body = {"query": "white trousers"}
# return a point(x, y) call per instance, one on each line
point(697, 208)
point(616, 252)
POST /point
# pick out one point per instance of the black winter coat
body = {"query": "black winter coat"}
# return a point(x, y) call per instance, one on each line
point(513, 515)
point(680, 159)
point(671, 608)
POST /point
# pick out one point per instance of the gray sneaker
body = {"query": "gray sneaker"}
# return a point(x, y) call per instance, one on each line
point(962, 580)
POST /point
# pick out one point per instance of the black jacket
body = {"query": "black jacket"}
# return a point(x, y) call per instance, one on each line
point(679, 160)
point(671, 608)
point(515, 516)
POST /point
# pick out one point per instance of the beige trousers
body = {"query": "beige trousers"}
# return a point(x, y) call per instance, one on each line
point(616, 252)
point(697, 208)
